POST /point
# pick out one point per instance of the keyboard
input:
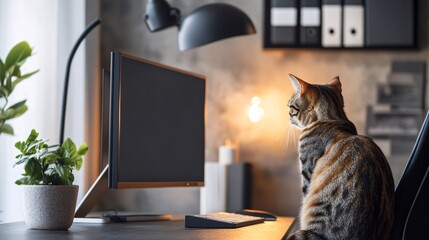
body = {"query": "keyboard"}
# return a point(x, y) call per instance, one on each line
point(221, 220)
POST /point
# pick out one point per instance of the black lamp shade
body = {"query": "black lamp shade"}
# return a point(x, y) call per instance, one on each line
point(213, 22)
point(158, 15)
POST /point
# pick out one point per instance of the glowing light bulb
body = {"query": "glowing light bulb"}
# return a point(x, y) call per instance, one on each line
point(256, 100)
point(255, 111)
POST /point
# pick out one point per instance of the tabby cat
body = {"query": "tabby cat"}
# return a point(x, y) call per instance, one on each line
point(347, 183)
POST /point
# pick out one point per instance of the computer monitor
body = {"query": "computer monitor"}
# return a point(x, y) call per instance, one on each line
point(156, 128)
point(156, 125)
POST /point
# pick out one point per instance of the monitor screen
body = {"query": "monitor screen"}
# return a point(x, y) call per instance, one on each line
point(156, 136)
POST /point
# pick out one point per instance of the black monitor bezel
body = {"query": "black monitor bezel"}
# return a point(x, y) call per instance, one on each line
point(115, 119)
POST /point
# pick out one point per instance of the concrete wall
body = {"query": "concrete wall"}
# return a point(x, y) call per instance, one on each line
point(239, 68)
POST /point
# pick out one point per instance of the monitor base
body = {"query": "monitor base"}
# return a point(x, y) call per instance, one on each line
point(97, 220)
point(124, 218)
point(93, 196)
point(140, 217)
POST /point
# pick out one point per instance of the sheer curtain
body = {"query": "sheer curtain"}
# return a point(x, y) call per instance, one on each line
point(51, 28)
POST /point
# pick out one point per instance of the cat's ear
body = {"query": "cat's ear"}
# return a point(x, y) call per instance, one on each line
point(298, 84)
point(335, 82)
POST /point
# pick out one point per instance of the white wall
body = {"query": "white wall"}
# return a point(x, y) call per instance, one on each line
point(50, 27)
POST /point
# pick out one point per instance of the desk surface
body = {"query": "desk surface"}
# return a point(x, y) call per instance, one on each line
point(174, 229)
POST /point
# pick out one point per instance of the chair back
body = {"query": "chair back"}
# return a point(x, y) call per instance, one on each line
point(412, 193)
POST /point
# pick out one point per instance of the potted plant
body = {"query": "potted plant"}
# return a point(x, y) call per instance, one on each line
point(10, 76)
point(49, 194)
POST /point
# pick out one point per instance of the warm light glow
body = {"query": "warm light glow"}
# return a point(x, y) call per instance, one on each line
point(255, 111)
point(256, 100)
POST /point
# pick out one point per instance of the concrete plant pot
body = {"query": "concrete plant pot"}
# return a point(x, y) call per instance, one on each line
point(49, 207)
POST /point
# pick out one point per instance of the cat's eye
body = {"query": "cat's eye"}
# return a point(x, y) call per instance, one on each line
point(293, 111)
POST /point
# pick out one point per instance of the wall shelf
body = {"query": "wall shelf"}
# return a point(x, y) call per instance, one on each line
point(326, 25)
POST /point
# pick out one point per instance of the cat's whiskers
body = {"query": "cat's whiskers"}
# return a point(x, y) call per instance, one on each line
point(290, 138)
point(294, 138)
point(286, 140)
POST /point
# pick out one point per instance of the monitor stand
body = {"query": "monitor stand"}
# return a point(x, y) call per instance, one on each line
point(94, 195)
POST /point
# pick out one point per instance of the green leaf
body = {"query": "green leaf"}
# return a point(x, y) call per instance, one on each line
point(18, 104)
point(21, 160)
point(83, 149)
point(24, 181)
point(67, 161)
point(19, 146)
point(16, 110)
point(45, 154)
point(33, 169)
point(15, 71)
point(18, 54)
point(50, 157)
point(21, 110)
point(2, 115)
point(70, 179)
point(78, 163)
point(33, 135)
point(34, 146)
point(10, 71)
point(7, 129)
point(50, 171)
point(62, 174)
point(3, 92)
point(70, 151)
point(8, 85)
point(60, 170)
point(69, 146)
point(50, 179)
point(9, 113)
point(19, 79)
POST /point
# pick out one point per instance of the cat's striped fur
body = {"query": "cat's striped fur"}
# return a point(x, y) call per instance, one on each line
point(347, 183)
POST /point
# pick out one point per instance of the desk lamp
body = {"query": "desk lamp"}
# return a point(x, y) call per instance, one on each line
point(204, 25)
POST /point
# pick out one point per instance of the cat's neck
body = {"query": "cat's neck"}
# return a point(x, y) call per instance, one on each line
point(324, 127)
point(317, 136)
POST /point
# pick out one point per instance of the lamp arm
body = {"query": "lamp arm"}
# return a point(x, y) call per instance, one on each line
point(66, 82)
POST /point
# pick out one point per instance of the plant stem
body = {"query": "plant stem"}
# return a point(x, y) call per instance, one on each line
point(5, 103)
point(2, 123)
point(44, 167)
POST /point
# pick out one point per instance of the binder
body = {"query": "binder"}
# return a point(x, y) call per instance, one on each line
point(239, 187)
point(331, 23)
point(390, 24)
point(353, 30)
point(310, 23)
point(284, 19)
point(213, 194)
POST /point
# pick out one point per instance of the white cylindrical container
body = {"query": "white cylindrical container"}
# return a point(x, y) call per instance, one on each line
point(226, 154)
